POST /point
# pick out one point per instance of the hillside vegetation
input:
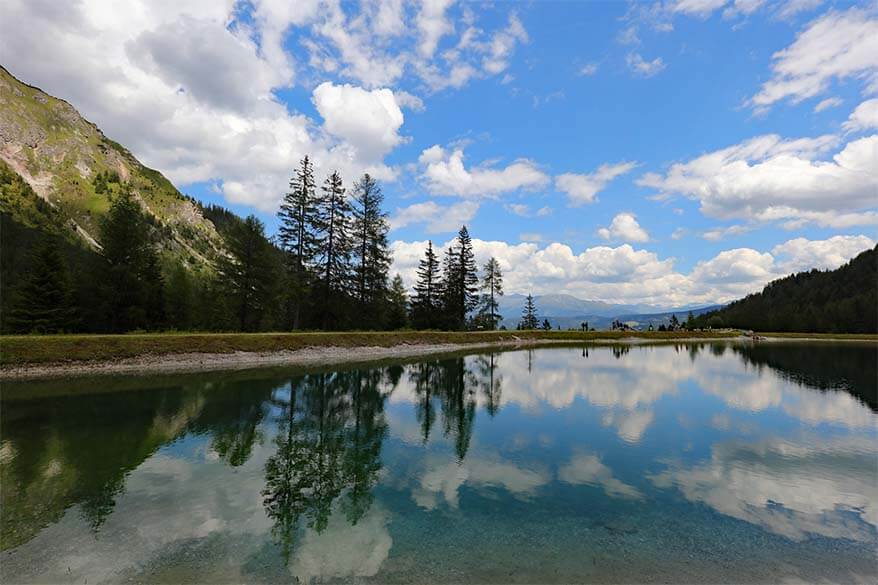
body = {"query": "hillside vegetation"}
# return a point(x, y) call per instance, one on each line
point(844, 300)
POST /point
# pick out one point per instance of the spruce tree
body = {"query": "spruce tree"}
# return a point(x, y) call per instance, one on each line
point(529, 314)
point(43, 300)
point(371, 250)
point(247, 275)
point(297, 234)
point(426, 301)
point(461, 280)
point(492, 288)
point(397, 300)
point(334, 246)
point(131, 264)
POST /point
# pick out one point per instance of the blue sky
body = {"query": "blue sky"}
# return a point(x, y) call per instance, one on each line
point(661, 153)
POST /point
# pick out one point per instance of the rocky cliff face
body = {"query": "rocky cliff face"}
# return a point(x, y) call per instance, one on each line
point(70, 164)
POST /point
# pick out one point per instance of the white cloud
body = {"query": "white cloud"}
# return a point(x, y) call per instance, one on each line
point(583, 188)
point(588, 69)
point(625, 228)
point(412, 102)
point(433, 24)
point(502, 46)
point(367, 120)
point(444, 173)
point(770, 179)
point(640, 66)
point(438, 219)
point(522, 210)
point(832, 102)
point(864, 117)
point(625, 274)
point(716, 234)
point(802, 254)
point(143, 76)
point(835, 46)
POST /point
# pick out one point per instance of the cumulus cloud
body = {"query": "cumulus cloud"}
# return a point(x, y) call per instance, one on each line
point(625, 274)
point(768, 178)
point(583, 188)
point(436, 218)
point(586, 468)
point(624, 227)
point(640, 66)
point(142, 74)
point(835, 46)
point(367, 120)
point(717, 234)
point(803, 254)
point(444, 173)
point(864, 117)
point(588, 69)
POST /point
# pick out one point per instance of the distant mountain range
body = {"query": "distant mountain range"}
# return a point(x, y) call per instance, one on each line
point(568, 311)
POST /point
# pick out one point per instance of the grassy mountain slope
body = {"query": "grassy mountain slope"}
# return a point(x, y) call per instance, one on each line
point(73, 168)
point(844, 300)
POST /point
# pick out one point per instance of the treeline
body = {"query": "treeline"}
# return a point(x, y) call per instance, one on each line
point(327, 268)
point(844, 300)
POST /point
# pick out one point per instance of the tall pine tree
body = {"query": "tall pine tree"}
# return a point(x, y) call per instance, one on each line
point(397, 300)
point(247, 275)
point(427, 299)
point(492, 289)
point(297, 235)
point(461, 282)
point(43, 301)
point(371, 250)
point(131, 276)
point(529, 314)
point(334, 246)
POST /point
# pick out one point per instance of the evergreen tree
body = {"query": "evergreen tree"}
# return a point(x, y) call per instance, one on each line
point(334, 244)
point(546, 325)
point(130, 264)
point(371, 249)
point(43, 301)
point(426, 302)
point(297, 234)
point(529, 314)
point(492, 287)
point(461, 282)
point(180, 298)
point(397, 316)
point(247, 275)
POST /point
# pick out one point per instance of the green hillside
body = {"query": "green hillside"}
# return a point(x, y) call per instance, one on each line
point(75, 171)
point(844, 300)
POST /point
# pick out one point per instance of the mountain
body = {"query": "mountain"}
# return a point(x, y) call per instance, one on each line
point(844, 300)
point(569, 312)
point(72, 171)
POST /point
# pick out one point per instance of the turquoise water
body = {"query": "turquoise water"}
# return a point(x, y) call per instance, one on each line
point(687, 463)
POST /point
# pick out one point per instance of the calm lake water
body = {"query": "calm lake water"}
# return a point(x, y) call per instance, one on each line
point(697, 463)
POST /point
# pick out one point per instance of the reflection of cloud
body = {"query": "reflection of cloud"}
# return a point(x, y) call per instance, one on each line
point(629, 425)
point(792, 489)
point(588, 469)
point(344, 550)
point(476, 472)
point(168, 502)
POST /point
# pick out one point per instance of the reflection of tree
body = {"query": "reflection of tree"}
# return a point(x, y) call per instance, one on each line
point(454, 385)
point(328, 443)
point(849, 367)
point(490, 382)
point(458, 403)
point(425, 377)
point(620, 350)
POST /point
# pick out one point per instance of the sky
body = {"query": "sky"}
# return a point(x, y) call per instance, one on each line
point(662, 153)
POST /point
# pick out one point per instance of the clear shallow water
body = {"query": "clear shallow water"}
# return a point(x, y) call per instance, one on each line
point(698, 463)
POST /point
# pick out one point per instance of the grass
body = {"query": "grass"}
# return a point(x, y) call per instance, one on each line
point(43, 349)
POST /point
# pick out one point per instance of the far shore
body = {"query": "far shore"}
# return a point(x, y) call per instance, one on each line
point(55, 356)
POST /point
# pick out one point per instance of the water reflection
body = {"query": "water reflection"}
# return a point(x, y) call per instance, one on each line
point(351, 473)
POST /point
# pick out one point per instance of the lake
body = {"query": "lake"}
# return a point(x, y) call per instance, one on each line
point(699, 463)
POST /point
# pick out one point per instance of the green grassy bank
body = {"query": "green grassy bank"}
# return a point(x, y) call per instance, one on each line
point(42, 349)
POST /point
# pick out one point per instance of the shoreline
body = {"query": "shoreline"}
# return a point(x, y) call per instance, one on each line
point(318, 355)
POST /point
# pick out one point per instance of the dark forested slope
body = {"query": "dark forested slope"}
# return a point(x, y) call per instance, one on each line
point(844, 300)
